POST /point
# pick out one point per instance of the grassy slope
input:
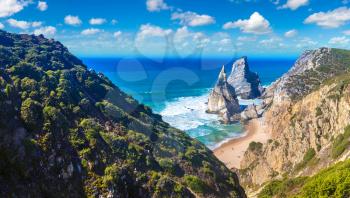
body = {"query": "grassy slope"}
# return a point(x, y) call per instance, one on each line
point(69, 132)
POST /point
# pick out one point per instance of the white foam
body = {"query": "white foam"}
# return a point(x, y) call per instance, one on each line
point(187, 113)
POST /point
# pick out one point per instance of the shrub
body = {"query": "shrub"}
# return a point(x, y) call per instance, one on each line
point(195, 184)
point(309, 155)
point(255, 147)
point(341, 143)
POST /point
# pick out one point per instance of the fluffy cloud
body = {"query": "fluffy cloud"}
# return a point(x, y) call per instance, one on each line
point(72, 20)
point(295, 4)
point(272, 42)
point(192, 19)
point(306, 43)
point(114, 21)
point(152, 31)
point(2, 26)
point(347, 32)
point(46, 31)
point(330, 19)
point(339, 41)
point(42, 5)
point(10, 7)
point(156, 5)
point(291, 33)
point(23, 24)
point(97, 21)
point(256, 24)
point(90, 31)
point(117, 34)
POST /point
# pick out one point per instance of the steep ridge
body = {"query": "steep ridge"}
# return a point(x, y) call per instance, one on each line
point(223, 100)
point(307, 113)
point(66, 131)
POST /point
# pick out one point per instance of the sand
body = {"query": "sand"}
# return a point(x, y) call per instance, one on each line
point(231, 153)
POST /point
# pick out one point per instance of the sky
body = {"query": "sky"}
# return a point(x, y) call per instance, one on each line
point(183, 28)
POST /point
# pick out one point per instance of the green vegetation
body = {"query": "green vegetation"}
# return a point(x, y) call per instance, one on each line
point(255, 147)
point(67, 131)
point(334, 68)
point(341, 143)
point(331, 182)
point(282, 188)
point(309, 155)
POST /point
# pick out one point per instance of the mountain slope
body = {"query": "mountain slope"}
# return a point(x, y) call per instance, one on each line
point(307, 113)
point(66, 131)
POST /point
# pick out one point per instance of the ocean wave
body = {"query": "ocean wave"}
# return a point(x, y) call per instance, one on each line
point(187, 113)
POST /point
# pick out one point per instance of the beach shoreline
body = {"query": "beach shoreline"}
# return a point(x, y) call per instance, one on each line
point(232, 151)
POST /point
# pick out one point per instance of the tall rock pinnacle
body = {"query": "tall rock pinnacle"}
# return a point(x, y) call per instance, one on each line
point(223, 99)
point(246, 83)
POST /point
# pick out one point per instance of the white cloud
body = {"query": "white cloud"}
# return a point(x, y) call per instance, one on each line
point(46, 31)
point(246, 39)
point(152, 31)
point(2, 26)
point(97, 21)
point(42, 5)
point(256, 24)
point(156, 5)
point(192, 19)
point(291, 33)
point(330, 19)
point(295, 4)
point(114, 21)
point(271, 42)
point(72, 20)
point(23, 24)
point(11, 7)
point(117, 34)
point(90, 31)
point(347, 32)
point(306, 43)
point(339, 41)
point(37, 23)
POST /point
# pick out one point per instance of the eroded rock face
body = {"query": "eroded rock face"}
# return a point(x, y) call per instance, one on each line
point(246, 83)
point(304, 110)
point(223, 100)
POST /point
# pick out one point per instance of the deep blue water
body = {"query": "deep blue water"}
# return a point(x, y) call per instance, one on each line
point(178, 88)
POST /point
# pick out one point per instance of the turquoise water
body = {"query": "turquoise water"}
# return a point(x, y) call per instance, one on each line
point(178, 89)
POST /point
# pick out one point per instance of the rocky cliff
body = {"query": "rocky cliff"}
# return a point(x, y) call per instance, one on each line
point(223, 100)
point(246, 83)
point(66, 131)
point(307, 113)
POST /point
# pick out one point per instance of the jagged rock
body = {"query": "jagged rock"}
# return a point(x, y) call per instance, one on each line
point(223, 100)
point(246, 83)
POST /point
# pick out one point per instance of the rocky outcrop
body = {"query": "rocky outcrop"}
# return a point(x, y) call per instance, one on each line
point(223, 100)
point(305, 110)
point(246, 83)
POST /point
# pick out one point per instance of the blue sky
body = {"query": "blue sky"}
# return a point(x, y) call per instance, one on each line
point(182, 28)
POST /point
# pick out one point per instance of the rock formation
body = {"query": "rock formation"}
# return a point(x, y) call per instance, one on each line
point(305, 111)
point(223, 100)
point(246, 83)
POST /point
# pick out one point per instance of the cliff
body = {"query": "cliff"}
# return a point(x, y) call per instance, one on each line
point(307, 113)
point(66, 131)
point(223, 100)
point(246, 83)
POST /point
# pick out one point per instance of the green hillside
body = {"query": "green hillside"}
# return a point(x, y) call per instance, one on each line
point(66, 131)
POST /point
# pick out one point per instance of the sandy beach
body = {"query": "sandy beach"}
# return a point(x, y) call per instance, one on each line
point(231, 153)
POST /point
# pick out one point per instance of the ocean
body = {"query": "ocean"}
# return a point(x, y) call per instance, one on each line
point(178, 89)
